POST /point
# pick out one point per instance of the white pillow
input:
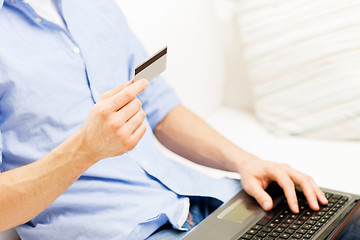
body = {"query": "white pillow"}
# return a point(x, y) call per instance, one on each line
point(303, 60)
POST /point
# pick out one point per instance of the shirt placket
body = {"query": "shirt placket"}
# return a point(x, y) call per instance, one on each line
point(36, 19)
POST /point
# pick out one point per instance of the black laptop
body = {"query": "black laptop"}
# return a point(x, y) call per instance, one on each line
point(242, 218)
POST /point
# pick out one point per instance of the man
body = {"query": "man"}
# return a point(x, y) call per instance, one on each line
point(77, 134)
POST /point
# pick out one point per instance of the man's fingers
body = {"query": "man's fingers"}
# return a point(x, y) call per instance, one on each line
point(127, 94)
point(319, 193)
point(288, 187)
point(305, 182)
point(263, 198)
point(114, 91)
point(138, 133)
point(133, 123)
point(128, 111)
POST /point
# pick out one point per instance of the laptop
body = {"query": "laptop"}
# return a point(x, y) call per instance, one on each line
point(242, 218)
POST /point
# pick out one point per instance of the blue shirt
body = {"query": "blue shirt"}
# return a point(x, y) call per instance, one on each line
point(50, 78)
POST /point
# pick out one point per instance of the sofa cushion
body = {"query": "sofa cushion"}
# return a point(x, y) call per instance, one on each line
point(304, 64)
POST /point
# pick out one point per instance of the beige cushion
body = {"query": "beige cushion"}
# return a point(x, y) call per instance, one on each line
point(303, 60)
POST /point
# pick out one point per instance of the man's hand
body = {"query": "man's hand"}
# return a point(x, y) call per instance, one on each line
point(187, 135)
point(257, 174)
point(115, 124)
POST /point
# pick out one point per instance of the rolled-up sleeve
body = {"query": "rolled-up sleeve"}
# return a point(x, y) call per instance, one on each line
point(159, 98)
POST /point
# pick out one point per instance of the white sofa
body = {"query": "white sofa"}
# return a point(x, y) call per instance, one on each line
point(206, 68)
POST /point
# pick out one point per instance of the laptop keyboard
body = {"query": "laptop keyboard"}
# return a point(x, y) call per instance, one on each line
point(281, 223)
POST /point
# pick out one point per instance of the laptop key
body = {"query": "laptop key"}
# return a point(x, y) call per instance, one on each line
point(324, 208)
point(315, 228)
point(328, 195)
point(307, 236)
point(320, 213)
point(277, 220)
point(256, 227)
point(256, 238)
point(316, 218)
point(289, 221)
point(301, 231)
point(323, 220)
point(308, 213)
point(261, 234)
point(299, 222)
point(284, 225)
point(252, 232)
point(274, 234)
point(285, 235)
point(335, 196)
point(289, 231)
point(272, 225)
point(267, 229)
point(310, 222)
point(297, 235)
point(306, 226)
point(269, 238)
point(294, 226)
point(246, 236)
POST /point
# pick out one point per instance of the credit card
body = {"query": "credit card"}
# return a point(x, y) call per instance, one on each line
point(152, 67)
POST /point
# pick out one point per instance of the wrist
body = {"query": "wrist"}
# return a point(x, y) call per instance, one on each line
point(239, 159)
point(77, 148)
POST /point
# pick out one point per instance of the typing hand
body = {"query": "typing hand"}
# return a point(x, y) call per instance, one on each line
point(116, 123)
point(257, 174)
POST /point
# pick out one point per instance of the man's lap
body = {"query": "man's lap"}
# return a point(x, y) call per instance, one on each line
point(200, 208)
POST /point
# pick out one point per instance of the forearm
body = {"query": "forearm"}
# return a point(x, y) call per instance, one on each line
point(30, 189)
point(186, 134)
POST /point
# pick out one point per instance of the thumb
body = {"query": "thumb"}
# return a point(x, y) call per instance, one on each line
point(263, 198)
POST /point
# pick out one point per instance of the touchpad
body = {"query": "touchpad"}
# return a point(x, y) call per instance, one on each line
point(238, 211)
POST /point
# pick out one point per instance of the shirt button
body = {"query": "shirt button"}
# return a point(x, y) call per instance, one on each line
point(37, 19)
point(178, 190)
point(144, 163)
point(12, 1)
point(76, 50)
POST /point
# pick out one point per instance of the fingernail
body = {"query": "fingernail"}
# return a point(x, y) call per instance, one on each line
point(266, 205)
point(296, 207)
point(316, 204)
point(324, 199)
